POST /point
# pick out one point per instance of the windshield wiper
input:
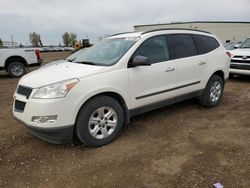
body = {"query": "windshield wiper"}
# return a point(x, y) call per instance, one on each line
point(85, 62)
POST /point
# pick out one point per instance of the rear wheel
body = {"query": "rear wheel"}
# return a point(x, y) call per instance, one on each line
point(16, 69)
point(213, 92)
point(100, 121)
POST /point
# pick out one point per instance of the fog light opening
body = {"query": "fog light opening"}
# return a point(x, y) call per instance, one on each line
point(44, 119)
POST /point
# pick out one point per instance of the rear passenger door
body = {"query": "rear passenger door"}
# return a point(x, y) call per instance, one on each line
point(189, 66)
point(207, 46)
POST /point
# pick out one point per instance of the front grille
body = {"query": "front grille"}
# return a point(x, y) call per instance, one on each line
point(240, 56)
point(238, 66)
point(22, 90)
point(240, 61)
point(19, 106)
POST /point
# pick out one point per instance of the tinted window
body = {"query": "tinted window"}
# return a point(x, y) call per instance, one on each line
point(155, 49)
point(245, 44)
point(182, 45)
point(205, 44)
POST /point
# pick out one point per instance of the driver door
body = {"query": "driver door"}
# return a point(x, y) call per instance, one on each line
point(154, 83)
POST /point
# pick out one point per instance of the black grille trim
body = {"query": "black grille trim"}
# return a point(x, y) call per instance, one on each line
point(240, 56)
point(242, 67)
point(240, 61)
point(26, 91)
point(19, 106)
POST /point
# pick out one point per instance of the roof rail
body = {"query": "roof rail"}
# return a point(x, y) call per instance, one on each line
point(192, 22)
point(121, 33)
point(149, 31)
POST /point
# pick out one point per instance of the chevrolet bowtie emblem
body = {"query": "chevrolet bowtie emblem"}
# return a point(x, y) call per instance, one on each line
point(244, 57)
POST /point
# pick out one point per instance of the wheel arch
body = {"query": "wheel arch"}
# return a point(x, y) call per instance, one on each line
point(11, 59)
point(220, 73)
point(118, 97)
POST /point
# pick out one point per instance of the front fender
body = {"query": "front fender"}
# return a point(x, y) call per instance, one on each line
point(87, 96)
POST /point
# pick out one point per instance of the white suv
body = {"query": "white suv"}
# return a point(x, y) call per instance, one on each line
point(124, 75)
point(240, 62)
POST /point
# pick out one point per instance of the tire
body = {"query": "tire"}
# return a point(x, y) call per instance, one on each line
point(91, 127)
point(16, 69)
point(213, 92)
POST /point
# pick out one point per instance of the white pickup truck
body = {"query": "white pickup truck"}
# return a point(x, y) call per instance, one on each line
point(16, 60)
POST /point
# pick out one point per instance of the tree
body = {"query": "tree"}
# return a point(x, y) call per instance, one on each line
point(34, 39)
point(72, 38)
point(1, 43)
point(66, 39)
point(69, 38)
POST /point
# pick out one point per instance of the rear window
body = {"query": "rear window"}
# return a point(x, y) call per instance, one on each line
point(182, 45)
point(205, 44)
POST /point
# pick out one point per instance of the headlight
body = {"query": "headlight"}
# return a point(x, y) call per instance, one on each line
point(56, 90)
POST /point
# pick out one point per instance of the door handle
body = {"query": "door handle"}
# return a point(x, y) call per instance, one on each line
point(202, 62)
point(169, 69)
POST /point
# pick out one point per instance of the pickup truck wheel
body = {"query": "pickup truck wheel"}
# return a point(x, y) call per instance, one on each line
point(100, 121)
point(16, 69)
point(213, 92)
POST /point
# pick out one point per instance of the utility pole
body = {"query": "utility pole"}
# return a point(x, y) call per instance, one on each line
point(12, 41)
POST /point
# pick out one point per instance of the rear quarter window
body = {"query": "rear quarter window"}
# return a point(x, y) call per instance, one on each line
point(205, 44)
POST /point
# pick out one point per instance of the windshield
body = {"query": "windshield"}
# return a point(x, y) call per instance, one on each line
point(107, 52)
point(232, 45)
point(245, 44)
point(75, 55)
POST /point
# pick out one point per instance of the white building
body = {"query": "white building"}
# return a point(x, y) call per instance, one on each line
point(9, 44)
point(225, 31)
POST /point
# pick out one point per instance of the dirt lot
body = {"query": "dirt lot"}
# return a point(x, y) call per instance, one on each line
point(183, 145)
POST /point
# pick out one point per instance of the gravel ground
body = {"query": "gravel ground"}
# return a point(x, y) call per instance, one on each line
point(182, 145)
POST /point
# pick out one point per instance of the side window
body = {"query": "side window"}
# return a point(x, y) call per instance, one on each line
point(155, 49)
point(205, 44)
point(182, 45)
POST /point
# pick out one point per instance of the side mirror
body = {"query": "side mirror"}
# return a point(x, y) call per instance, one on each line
point(140, 61)
point(236, 46)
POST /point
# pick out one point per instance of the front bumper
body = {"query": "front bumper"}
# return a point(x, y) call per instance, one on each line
point(239, 71)
point(57, 135)
point(59, 131)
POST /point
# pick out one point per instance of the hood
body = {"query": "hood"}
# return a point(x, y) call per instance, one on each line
point(58, 72)
point(241, 52)
point(51, 63)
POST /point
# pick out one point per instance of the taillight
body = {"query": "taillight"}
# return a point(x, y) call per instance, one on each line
point(229, 54)
point(37, 52)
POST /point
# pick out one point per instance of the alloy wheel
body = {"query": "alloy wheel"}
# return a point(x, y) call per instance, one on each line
point(102, 122)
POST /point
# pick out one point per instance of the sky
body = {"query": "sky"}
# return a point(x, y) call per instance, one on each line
point(94, 18)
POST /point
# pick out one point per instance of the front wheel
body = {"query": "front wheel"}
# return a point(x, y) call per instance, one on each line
point(213, 92)
point(100, 121)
